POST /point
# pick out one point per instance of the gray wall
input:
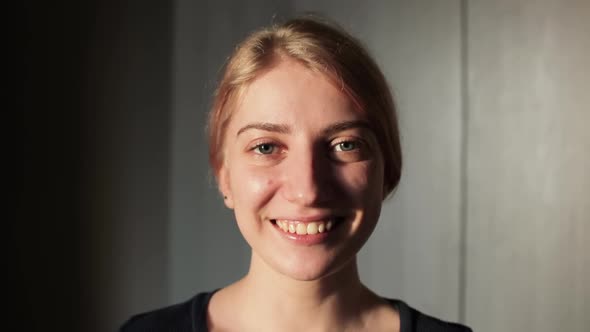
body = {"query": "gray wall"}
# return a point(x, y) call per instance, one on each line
point(528, 166)
point(489, 225)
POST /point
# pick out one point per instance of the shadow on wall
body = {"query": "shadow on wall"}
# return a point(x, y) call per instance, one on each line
point(97, 131)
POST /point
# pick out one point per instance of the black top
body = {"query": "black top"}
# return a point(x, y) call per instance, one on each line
point(191, 316)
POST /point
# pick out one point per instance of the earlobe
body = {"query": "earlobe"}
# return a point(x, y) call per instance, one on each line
point(225, 188)
point(228, 202)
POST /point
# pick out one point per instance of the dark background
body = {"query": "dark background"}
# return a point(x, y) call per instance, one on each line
point(90, 66)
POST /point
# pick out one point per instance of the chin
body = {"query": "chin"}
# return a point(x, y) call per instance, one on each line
point(305, 268)
point(306, 274)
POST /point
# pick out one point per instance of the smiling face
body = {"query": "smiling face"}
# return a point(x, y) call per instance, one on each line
point(302, 171)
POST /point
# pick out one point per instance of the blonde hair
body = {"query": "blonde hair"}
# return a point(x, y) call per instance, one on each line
point(323, 47)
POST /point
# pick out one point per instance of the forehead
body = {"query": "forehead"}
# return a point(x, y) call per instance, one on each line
point(291, 94)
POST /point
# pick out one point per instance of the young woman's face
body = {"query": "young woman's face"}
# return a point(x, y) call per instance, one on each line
point(302, 171)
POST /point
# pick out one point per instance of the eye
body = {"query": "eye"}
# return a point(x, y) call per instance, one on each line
point(346, 146)
point(265, 148)
point(350, 150)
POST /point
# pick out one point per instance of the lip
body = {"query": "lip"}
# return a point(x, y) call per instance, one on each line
point(308, 239)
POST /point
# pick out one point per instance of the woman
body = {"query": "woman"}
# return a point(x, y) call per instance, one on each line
point(304, 145)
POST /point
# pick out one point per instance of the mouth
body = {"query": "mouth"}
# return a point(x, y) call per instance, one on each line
point(297, 227)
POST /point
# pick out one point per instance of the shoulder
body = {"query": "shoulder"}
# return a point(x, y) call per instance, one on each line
point(182, 317)
point(413, 320)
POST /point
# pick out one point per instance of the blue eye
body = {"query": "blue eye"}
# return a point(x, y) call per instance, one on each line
point(346, 146)
point(264, 148)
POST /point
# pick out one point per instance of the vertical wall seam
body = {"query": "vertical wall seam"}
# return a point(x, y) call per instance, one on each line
point(463, 205)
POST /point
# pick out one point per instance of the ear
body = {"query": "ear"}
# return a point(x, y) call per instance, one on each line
point(224, 187)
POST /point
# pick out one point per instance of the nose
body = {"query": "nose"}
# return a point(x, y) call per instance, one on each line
point(307, 179)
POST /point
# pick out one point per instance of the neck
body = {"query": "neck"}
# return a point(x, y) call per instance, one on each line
point(336, 300)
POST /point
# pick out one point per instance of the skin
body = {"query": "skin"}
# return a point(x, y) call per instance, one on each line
point(296, 148)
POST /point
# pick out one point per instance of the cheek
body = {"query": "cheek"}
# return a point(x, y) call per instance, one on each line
point(362, 181)
point(251, 187)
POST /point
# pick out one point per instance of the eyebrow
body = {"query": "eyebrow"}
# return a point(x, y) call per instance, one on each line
point(345, 125)
point(284, 129)
point(276, 128)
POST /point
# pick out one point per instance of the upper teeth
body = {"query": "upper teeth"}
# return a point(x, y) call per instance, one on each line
point(302, 228)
